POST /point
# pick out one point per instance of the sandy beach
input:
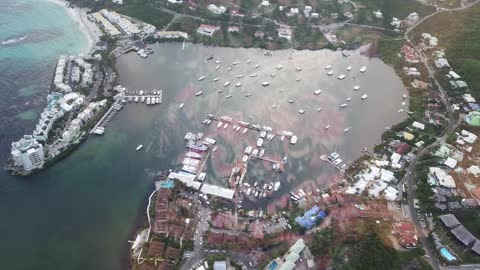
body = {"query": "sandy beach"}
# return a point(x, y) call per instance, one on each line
point(90, 29)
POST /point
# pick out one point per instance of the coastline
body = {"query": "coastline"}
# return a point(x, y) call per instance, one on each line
point(79, 16)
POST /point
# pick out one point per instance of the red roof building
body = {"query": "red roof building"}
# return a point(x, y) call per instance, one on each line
point(406, 234)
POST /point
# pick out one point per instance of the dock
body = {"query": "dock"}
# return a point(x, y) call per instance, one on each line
point(98, 129)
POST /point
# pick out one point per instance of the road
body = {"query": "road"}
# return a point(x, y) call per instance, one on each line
point(198, 254)
point(452, 124)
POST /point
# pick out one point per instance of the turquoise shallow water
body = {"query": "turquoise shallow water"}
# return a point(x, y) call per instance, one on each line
point(78, 214)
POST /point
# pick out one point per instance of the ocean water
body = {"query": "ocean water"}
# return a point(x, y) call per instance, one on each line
point(80, 213)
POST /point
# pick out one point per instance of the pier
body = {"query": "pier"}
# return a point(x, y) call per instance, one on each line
point(99, 127)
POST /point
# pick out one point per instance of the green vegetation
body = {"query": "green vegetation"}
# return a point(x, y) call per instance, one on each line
point(470, 218)
point(459, 33)
point(322, 242)
point(389, 9)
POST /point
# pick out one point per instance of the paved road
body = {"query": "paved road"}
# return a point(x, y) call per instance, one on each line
point(452, 124)
point(198, 254)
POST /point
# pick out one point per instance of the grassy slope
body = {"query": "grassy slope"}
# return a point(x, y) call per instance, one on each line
point(390, 9)
point(459, 33)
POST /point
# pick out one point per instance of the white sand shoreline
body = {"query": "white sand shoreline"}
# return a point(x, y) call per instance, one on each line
point(89, 29)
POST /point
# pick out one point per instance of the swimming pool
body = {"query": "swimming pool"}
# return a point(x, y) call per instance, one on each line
point(447, 255)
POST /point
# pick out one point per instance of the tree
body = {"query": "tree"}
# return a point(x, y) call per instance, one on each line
point(370, 253)
point(322, 242)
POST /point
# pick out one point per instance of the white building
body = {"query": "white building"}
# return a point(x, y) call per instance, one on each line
point(413, 17)
point(440, 177)
point(27, 153)
point(378, 14)
point(207, 30)
point(265, 3)
point(120, 2)
point(217, 10)
point(285, 32)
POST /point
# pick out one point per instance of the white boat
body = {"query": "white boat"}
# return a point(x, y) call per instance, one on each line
point(291, 101)
point(294, 139)
point(404, 96)
point(257, 65)
point(229, 68)
point(245, 158)
point(328, 67)
point(330, 73)
point(364, 96)
point(273, 75)
point(260, 142)
point(333, 156)
point(276, 166)
point(363, 69)
point(249, 60)
point(238, 84)
point(201, 78)
point(217, 61)
point(244, 130)
point(240, 76)
point(193, 155)
point(220, 91)
point(356, 88)
point(142, 99)
point(228, 96)
point(298, 68)
point(226, 126)
point(248, 95)
point(343, 105)
point(248, 150)
point(235, 63)
point(345, 53)
point(135, 99)
point(276, 186)
point(140, 146)
point(282, 138)
point(255, 152)
point(317, 92)
point(254, 75)
point(341, 77)
point(226, 84)
point(265, 84)
point(337, 162)
point(263, 133)
point(349, 68)
point(157, 100)
point(327, 126)
point(347, 129)
point(349, 99)
point(270, 136)
point(261, 153)
point(216, 79)
point(274, 106)
point(255, 184)
point(279, 66)
point(149, 100)
point(198, 93)
point(301, 111)
point(319, 109)
point(219, 125)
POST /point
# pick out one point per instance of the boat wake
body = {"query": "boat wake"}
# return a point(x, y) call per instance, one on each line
point(13, 41)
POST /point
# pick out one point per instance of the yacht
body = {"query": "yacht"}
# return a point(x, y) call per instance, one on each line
point(404, 96)
point(327, 126)
point(349, 68)
point(263, 134)
point(356, 88)
point(228, 96)
point(235, 63)
point(345, 53)
point(249, 60)
point(319, 109)
point(274, 106)
point(276, 186)
point(294, 139)
point(181, 105)
point(363, 69)
point(253, 75)
point(330, 73)
point(349, 99)
point(337, 162)
point(343, 105)
point(201, 78)
point(229, 68)
point(245, 158)
point(149, 100)
point(317, 92)
point(248, 150)
point(140, 146)
point(341, 77)
point(265, 83)
point(328, 67)
point(226, 84)
point(301, 111)
point(244, 130)
point(142, 99)
point(255, 184)
point(364, 96)
point(220, 91)
point(291, 101)
point(279, 66)
point(216, 79)
point(276, 166)
point(260, 142)
point(226, 125)
point(217, 61)
point(198, 93)
point(238, 84)
point(135, 99)
point(219, 125)
point(240, 76)
point(270, 136)
point(347, 129)
point(261, 153)
point(257, 65)
point(217, 67)
point(248, 95)
point(298, 68)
